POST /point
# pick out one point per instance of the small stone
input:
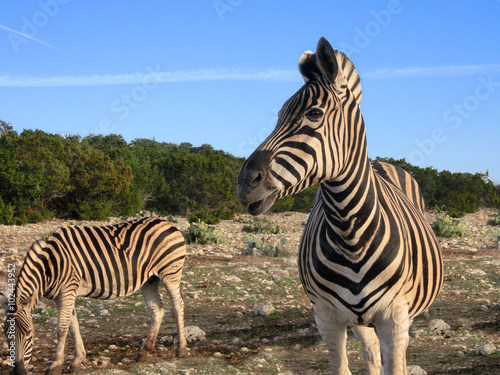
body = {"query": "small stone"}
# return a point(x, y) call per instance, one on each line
point(416, 334)
point(460, 354)
point(244, 350)
point(439, 326)
point(103, 361)
point(194, 333)
point(486, 349)
point(167, 340)
point(477, 272)
point(483, 308)
point(103, 312)
point(217, 354)
point(415, 370)
point(264, 310)
point(112, 347)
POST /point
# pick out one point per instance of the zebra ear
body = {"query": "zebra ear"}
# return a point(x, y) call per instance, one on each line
point(326, 60)
point(3, 301)
point(308, 67)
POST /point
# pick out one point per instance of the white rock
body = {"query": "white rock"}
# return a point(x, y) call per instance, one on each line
point(486, 349)
point(231, 278)
point(415, 370)
point(477, 272)
point(439, 326)
point(194, 333)
point(264, 310)
point(168, 339)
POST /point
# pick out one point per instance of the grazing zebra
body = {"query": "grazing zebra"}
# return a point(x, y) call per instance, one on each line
point(367, 257)
point(98, 262)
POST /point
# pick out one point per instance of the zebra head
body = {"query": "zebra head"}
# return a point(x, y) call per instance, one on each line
point(18, 328)
point(315, 136)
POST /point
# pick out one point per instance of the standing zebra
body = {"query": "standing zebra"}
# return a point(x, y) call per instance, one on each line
point(367, 257)
point(98, 262)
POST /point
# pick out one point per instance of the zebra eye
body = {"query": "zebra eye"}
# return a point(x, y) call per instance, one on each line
point(314, 114)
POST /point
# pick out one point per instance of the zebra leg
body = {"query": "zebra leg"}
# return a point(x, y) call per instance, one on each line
point(334, 334)
point(80, 353)
point(371, 349)
point(177, 300)
point(66, 306)
point(393, 334)
point(156, 311)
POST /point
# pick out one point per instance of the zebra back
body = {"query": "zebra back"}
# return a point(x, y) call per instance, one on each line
point(107, 261)
point(401, 180)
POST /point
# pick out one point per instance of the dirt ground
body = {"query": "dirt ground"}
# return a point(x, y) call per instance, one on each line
point(223, 288)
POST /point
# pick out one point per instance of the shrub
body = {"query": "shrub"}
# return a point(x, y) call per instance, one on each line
point(495, 220)
point(203, 216)
point(202, 234)
point(447, 227)
point(6, 212)
point(211, 217)
point(172, 219)
point(263, 226)
point(265, 246)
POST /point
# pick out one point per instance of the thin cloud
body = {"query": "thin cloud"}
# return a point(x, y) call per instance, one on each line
point(436, 71)
point(152, 76)
point(30, 37)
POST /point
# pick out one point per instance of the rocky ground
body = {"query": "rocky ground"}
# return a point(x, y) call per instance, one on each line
point(249, 314)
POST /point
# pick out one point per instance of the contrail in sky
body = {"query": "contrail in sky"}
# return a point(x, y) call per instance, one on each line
point(29, 37)
point(155, 75)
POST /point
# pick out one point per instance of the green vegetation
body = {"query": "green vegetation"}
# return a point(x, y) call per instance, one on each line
point(455, 193)
point(263, 226)
point(266, 245)
point(495, 220)
point(202, 234)
point(46, 175)
point(448, 227)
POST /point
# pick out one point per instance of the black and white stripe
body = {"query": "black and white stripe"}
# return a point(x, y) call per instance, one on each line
point(99, 262)
point(368, 257)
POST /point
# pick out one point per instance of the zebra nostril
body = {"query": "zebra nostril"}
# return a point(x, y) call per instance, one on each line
point(257, 180)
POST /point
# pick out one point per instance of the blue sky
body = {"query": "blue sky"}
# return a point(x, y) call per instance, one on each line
point(218, 71)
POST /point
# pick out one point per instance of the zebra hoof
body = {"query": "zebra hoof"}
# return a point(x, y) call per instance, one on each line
point(181, 352)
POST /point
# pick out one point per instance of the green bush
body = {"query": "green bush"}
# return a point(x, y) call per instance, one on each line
point(172, 219)
point(263, 226)
point(448, 227)
point(495, 220)
point(203, 216)
point(6, 212)
point(265, 246)
point(202, 234)
point(46, 175)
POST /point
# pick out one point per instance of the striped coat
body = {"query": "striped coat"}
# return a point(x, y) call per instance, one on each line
point(99, 262)
point(367, 257)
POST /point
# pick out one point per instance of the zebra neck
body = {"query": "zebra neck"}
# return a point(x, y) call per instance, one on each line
point(352, 210)
point(32, 281)
point(27, 295)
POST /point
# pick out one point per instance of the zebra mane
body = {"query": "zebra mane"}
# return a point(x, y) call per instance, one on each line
point(312, 69)
point(351, 74)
